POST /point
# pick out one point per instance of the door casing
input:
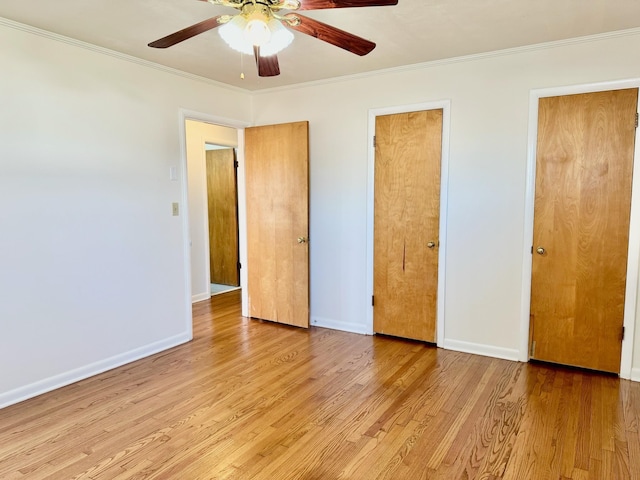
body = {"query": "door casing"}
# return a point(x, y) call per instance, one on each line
point(633, 254)
point(445, 105)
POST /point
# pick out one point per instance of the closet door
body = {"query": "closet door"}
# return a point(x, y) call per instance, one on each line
point(584, 167)
point(406, 223)
point(222, 197)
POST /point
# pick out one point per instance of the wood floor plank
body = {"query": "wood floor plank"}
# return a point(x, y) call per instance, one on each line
point(492, 427)
point(253, 400)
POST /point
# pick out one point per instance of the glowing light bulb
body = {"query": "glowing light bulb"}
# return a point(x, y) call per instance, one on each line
point(233, 34)
point(280, 39)
point(257, 32)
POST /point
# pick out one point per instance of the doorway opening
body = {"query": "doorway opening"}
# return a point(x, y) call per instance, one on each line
point(202, 133)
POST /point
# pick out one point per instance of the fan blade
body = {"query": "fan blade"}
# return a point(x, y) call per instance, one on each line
point(186, 33)
point(332, 35)
point(267, 66)
point(321, 4)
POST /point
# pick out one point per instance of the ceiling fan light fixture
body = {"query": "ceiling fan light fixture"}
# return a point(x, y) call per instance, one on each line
point(261, 28)
point(243, 32)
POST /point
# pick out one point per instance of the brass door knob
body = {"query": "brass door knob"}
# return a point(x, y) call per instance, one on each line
point(302, 239)
point(431, 244)
point(540, 251)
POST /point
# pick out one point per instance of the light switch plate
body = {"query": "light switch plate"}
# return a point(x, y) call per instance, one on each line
point(173, 174)
point(176, 208)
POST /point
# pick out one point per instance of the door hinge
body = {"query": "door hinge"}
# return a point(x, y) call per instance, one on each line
point(374, 141)
point(235, 164)
point(531, 249)
point(622, 334)
point(239, 265)
point(373, 301)
point(533, 349)
point(636, 120)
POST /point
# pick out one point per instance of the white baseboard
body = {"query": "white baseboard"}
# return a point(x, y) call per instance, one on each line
point(635, 374)
point(457, 345)
point(481, 349)
point(57, 381)
point(200, 297)
point(336, 325)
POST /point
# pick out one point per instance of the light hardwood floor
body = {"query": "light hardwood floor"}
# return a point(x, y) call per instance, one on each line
point(254, 400)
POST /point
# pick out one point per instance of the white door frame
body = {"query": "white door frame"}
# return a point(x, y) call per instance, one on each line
point(633, 254)
point(242, 207)
point(445, 105)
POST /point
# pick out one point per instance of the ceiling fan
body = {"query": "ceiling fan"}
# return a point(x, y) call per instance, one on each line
point(260, 28)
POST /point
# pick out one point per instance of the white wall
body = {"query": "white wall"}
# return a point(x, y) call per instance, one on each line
point(487, 167)
point(92, 263)
point(197, 134)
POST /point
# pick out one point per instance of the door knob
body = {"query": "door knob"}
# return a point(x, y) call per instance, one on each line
point(431, 244)
point(540, 251)
point(302, 239)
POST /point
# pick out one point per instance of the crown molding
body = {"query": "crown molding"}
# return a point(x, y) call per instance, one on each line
point(404, 68)
point(112, 53)
point(461, 59)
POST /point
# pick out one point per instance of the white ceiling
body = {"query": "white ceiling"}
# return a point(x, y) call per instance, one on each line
point(414, 31)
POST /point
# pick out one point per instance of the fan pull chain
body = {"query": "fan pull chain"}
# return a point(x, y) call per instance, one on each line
point(241, 66)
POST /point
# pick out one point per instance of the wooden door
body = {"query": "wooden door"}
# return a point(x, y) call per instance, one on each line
point(406, 223)
point(277, 181)
point(584, 166)
point(222, 197)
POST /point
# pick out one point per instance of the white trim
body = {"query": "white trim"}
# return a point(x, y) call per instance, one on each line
point(57, 381)
point(480, 349)
point(200, 297)
point(453, 60)
point(186, 237)
point(242, 225)
point(581, 88)
point(342, 326)
point(525, 307)
point(635, 374)
point(633, 255)
point(287, 87)
point(445, 105)
point(633, 264)
point(185, 115)
point(444, 215)
point(112, 53)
